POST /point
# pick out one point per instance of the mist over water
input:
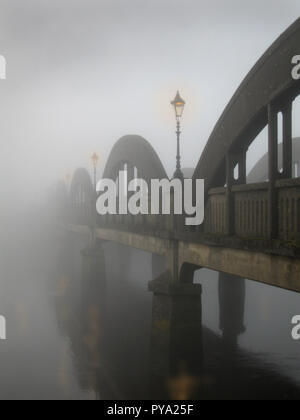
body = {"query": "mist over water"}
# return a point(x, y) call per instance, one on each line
point(62, 345)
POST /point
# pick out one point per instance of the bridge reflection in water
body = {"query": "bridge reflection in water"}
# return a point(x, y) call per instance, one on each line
point(122, 351)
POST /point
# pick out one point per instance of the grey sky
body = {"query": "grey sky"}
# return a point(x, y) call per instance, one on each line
point(82, 73)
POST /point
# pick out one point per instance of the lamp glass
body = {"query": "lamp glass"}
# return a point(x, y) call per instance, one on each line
point(95, 159)
point(178, 105)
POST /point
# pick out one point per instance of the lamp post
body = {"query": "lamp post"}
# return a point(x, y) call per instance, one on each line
point(95, 160)
point(178, 105)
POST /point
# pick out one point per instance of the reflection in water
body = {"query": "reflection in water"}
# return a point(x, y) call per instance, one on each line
point(176, 337)
point(187, 361)
point(232, 308)
point(183, 386)
point(98, 344)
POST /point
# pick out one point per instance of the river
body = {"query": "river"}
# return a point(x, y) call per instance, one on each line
point(61, 347)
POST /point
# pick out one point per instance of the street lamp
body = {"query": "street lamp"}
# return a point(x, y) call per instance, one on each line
point(178, 105)
point(68, 179)
point(95, 160)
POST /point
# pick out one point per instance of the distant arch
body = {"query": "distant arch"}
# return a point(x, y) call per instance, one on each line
point(61, 200)
point(138, 153)
point(260, 173)
point(81, 195)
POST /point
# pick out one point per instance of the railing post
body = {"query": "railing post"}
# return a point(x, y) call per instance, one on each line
point(287, 141)
point(273, 170)
point(229, 196)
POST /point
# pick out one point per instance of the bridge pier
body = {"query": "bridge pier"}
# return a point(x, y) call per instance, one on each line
point(232, 292)
point(172, 261)
point(93, 276)
point(158, 265)
point(93, 292)
point(176, 336)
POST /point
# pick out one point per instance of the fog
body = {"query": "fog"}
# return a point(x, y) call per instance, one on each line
point(80, 75)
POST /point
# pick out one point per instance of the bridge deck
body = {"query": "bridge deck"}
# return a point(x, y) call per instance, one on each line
point(275, 270)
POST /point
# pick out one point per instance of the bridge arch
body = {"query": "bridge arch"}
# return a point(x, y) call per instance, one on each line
point(134, 152)
point(267, 90)
point(61, 200)
point(81, 197)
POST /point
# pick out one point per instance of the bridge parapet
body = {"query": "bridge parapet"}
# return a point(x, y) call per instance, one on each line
point(162, 225)
point(251, 210)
